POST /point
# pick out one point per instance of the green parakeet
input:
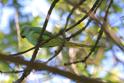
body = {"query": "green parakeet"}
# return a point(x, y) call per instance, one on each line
point(32, 34)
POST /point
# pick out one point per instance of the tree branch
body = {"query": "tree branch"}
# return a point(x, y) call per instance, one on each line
point(28, 69)
point(41, 66)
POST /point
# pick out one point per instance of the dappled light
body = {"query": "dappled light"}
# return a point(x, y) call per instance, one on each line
point(58, 41)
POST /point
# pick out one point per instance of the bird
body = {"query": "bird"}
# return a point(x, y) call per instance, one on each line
point(32, 34)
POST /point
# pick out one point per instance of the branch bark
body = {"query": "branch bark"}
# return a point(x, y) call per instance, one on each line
point(42, 66)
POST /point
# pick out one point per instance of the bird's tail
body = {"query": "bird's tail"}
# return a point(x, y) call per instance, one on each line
point(71, 44)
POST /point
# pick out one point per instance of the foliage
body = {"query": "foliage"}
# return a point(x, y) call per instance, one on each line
point(103, 62)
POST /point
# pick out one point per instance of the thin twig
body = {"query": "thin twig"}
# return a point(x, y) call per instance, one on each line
point(60, 31)
point(97, 41)
point(93, 9)
point(79, 31)
point(26, 73)
point(11, 72)
point(56, 53)
point(64, 30)
point(92, 50)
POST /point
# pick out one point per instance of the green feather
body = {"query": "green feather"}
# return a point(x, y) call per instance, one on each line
point(32, 34)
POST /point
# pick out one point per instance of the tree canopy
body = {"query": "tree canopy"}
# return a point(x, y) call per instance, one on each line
point(98, 23)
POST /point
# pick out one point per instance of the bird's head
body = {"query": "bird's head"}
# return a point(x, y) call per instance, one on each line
point(25, 31)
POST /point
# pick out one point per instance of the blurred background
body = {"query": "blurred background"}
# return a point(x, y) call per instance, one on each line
point(105, 63)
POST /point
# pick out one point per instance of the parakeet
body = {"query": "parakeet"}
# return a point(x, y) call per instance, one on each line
point(32, 34)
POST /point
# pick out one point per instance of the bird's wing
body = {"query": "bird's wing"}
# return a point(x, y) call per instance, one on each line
point(38, 30)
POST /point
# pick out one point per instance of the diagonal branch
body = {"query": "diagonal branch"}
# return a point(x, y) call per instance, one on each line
point(64, 30)
point(94, 8)
point(98, 38)
point(41, 66)
point(28, 69)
